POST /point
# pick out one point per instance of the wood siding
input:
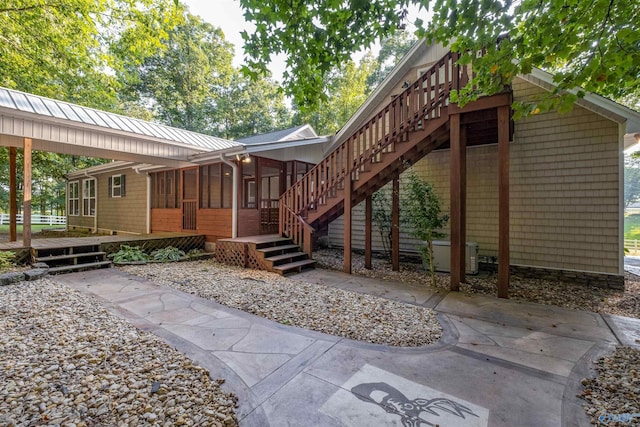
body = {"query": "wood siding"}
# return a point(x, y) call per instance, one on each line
point(166, 220)
point(214, 223)
point(248, 222)
point(564, 192)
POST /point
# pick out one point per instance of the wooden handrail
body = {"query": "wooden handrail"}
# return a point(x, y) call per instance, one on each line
point(405, 113)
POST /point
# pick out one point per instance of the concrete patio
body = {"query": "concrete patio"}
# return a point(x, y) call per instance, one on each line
point(499, 363)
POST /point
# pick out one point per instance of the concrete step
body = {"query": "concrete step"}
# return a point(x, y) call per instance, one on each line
point(78, 267)
point(295, 267)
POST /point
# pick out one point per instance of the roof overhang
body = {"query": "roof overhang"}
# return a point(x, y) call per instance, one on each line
point(592, 102)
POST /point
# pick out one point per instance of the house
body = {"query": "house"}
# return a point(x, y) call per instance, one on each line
point(565, 179)
point(542, 195)
point(128, 197)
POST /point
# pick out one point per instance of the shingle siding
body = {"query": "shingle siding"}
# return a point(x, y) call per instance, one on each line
point(564, 192)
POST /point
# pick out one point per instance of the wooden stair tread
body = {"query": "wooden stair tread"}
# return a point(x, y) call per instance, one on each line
point(64, 268)
point(285, 256)
point(296, 264)
point(70, 256)
point(277, 248)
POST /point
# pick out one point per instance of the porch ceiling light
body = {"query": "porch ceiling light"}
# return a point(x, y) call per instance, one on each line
point(245, 158)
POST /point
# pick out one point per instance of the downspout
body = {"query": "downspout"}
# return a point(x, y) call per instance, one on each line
point(95, 215)
point(234, 202)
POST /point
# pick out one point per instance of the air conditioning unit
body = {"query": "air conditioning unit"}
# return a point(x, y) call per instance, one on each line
point(442, 256)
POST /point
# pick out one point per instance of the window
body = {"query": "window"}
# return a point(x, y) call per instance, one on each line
point(74, 198)
point(89, 197)
point(117, 186)
point(164, 189)
point(249, 186)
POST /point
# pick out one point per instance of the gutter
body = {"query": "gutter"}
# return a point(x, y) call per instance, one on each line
point(234, 201)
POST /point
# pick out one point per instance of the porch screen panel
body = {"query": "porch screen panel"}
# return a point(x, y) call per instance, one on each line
point(215, 187)
point(204, 187)
point(227, 186)
point(164, 190)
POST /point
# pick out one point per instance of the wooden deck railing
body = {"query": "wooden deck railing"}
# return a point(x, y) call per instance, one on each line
point(419, 102)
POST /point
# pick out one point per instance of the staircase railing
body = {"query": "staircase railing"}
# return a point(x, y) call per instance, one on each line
point(407, 112)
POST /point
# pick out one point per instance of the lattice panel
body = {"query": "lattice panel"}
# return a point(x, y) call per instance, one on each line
point(231, 253)
point(253, 261)
point(184, 243)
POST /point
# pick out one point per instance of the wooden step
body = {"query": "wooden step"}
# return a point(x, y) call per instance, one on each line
point(295, 267)
point(277, 250)
point(77, 267)
point(70, 256)
point(278, 241)
point(291, 256)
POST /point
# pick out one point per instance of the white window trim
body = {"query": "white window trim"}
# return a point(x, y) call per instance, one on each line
point(113, 186)
point(89, 198)
point(76, 199)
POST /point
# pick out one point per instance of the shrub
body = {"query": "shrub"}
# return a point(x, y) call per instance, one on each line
point(129, 254)
point(167, 254)
point(425, 216)
point(7, 260)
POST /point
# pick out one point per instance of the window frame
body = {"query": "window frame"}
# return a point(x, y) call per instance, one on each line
point(114, 186)
point(86, 196)
point(71, 199)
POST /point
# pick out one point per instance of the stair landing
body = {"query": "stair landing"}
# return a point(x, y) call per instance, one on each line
point(266, 252)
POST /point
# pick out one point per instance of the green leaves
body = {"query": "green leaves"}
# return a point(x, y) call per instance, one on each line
point(593, 46)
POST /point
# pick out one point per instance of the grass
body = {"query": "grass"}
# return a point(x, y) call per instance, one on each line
point(632, 227)
point(4, 228)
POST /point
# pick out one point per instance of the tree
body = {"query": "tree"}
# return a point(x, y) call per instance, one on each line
point(631, 180)
point(251, 107)
point(75, 50)
point(183, 82)
point(392, 49)
point(346, 90)
point(421, 207)
point(592, 46)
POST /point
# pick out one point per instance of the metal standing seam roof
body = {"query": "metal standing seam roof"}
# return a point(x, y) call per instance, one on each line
point(271, 136)
point(42, 106)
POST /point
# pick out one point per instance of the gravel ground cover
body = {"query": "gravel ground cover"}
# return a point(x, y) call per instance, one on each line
point(613, 396)
point(561, 294)
point(288, 301)
point(66, 361)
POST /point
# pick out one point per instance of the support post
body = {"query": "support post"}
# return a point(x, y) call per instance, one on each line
point(368, 219)
point(503, 202)
point(457, 180)
point(13, 198)
point(395, 225)
point(347, 209)
point(26, 187)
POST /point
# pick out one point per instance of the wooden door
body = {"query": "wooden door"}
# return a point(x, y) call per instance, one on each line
point(189, 199)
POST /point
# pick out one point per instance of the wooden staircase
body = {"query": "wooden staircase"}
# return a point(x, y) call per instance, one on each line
point(73, 258)
point(412, 125)
point(267, 252)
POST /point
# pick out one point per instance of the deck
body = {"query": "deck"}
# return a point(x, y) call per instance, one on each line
point(108, 244)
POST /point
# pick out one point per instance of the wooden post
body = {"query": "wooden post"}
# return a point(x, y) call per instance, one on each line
point(456, 184)
point(503, 202)
point(395, 225)
point(348, 185)
point(26, 186)
point(368, 218)
point(463, 204)
point(13, 198)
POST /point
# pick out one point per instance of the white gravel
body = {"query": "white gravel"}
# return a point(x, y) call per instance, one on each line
point(291, 302)
point(613, 396)
point(66, 361)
